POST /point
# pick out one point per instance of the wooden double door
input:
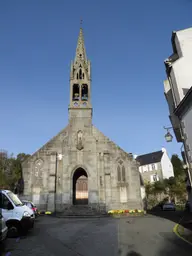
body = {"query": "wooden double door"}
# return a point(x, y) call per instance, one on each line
point(80, 188)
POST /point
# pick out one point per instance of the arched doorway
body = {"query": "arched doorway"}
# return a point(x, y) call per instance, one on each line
point(80, 187)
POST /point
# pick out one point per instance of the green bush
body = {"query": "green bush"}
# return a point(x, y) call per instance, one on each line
point(180, 207)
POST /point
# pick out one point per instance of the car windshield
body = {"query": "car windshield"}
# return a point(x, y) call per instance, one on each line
point(29, 205)
point(15, 199)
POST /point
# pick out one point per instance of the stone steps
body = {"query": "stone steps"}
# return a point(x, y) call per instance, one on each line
point(82, 216)
point(81, 211)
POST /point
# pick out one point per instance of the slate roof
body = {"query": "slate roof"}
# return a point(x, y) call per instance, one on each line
point(154, 157)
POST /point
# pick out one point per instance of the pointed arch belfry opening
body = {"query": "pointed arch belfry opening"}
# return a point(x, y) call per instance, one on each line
point(80, 187)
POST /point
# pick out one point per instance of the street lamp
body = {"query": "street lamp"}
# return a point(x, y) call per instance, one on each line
point(168, 136)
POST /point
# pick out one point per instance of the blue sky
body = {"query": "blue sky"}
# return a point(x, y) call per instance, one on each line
point(126, 41)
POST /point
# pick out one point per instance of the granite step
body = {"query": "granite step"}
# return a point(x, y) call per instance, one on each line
point(82, 211)
point(82, 216)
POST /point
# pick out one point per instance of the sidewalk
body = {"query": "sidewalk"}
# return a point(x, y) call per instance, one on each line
point(184, 228)
point(186, 220)
point(184, 233)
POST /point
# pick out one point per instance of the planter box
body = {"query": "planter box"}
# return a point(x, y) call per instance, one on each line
point(116, 215)
point(126, 213)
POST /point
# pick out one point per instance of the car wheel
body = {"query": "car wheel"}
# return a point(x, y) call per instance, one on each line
point(13, 230)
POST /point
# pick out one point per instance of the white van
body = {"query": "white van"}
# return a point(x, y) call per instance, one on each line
point(19, 218)
point(3, 228)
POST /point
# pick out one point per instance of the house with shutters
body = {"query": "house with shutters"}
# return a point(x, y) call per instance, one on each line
point(155, 166)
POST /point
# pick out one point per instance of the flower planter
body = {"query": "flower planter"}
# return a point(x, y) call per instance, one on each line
point(126, 213)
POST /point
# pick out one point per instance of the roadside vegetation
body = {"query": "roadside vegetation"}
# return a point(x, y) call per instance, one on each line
point(172, 189)
point(11, 171)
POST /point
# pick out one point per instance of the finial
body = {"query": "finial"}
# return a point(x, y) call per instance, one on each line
point(81, 22)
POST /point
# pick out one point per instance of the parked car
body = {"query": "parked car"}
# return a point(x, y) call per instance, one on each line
point(18, 217)
point(158, 207)
point(4, 228)
point(187, 206)
point(169, 207)
point(31, 206)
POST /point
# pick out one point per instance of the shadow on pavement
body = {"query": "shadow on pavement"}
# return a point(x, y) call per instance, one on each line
point(182, 217)
point(172, 246)
point(175, 246)
point(6, 247)
point(133, 253)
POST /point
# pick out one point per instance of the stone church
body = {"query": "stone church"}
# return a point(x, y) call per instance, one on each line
point(80, 165)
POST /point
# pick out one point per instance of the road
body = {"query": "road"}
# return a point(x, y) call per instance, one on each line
point(139, 236)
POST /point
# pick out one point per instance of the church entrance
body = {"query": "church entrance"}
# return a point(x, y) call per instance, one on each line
point(80, 187)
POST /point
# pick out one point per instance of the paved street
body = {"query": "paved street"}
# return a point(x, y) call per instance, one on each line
point(139, 236)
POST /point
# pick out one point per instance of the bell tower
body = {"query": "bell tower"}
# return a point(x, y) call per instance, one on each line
point(80, 83)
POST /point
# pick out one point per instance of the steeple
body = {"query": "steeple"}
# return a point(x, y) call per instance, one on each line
point(80, 82)
point(80, 50)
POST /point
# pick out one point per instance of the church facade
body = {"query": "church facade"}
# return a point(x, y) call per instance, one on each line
point(80, 165)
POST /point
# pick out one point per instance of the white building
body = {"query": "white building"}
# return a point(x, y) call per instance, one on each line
point(155, 166)
point(178, 93)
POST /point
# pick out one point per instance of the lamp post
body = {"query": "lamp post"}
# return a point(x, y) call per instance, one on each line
point(168, 136)
point(57, 157)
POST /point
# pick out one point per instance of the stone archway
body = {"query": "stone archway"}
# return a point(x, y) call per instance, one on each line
point(80, 187)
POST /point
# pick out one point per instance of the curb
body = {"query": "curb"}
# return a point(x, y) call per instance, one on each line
point(175, 230)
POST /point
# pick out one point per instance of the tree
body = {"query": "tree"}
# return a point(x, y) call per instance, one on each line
point(174, 188)
point(5, 169)
point(179, 188)
point(148, 189)
point(17, 165)
point(169, 182)
point(159, 187)
point(11, 171)
point(177, 165)
point(22, 157)
point(3, 180)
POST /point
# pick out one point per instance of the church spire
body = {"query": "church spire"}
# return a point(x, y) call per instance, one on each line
point(80, 82)
point(80, 50)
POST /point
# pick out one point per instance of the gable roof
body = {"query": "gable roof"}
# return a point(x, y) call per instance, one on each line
point(46, 146)
point(150, 158)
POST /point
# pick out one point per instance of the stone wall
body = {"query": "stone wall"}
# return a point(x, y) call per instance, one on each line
point(97, 155)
